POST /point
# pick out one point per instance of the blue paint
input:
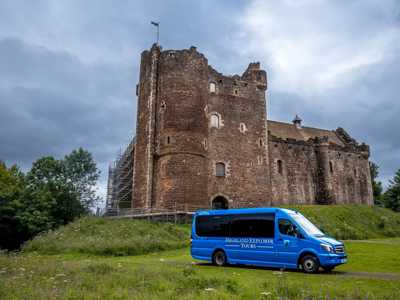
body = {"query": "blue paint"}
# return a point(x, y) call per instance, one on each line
point(272, 237)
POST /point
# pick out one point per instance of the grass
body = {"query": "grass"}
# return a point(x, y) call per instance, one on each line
point(117, 237)
point(356, 222)
point(95, 258)
point(173, 275)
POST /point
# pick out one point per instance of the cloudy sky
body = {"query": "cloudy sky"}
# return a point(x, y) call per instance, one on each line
point(68, 69)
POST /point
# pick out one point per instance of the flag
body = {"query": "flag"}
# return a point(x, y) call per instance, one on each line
point(155, 23)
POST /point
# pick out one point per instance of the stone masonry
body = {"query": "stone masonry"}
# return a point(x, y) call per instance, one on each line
point(203, 140)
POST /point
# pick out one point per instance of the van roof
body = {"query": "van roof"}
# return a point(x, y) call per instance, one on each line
point(243, 211)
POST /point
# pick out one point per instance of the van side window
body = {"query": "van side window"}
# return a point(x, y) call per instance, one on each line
point(254, 226)
point(212, 226)
point(287, 228)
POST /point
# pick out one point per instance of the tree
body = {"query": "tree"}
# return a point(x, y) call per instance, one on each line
point(392, 195)
point(82, 173)
point(11, 189)
point(54, 192)
point(376, 185)
point(50, 198)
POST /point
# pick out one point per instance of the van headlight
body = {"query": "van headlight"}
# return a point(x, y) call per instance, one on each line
point(327, 248)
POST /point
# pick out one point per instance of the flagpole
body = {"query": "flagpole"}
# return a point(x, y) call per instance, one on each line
point(157, 24)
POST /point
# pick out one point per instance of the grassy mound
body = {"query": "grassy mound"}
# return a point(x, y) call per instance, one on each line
point(116, 237)
point(120, 237)
point(352, 221)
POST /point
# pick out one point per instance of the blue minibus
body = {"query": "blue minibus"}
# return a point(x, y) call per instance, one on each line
point(270, 237)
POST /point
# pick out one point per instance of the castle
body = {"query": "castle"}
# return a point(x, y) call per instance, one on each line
point(203, 140)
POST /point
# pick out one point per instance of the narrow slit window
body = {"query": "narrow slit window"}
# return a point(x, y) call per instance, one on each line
point(168, 140)
point(331, 166)
point(279, 162)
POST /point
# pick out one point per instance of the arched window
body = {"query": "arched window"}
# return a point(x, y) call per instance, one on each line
point(220, 169)
point(213, 87)
point(279, 163)
point(331, 166)
point(215, 120)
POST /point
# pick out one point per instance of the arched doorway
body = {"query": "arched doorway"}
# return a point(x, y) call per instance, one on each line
point(219, 202)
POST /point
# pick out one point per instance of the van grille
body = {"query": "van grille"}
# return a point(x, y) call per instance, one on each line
point(339, 249)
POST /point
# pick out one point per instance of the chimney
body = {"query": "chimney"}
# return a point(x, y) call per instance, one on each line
point(297, 121)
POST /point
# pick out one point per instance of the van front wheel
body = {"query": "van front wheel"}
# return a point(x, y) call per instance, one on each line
point(310, 264)
point(219, 258)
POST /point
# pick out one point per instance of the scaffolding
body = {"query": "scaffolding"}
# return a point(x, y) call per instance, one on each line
point(120, 181)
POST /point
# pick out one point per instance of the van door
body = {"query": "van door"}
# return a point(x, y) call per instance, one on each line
point(251, 239)
point(287, 243)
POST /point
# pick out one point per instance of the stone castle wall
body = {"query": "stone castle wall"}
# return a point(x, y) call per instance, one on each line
point(192, 120)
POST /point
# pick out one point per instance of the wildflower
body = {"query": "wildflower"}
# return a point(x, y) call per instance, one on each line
point(209, 289)
point(162, 259)
point(22, 269)
point(59, 275)
point(265, 293)
point(66, 280)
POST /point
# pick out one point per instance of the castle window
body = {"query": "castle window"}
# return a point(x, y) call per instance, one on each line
point(205, 144)
point(168, 140)
point(215, 120)
point(260, 142)
point(220, 169)
point(355, 172)
point(242, 128)
point(213, 87)
point(280, 169)
point(331, 166)
point(163, 105)
point(236, 92)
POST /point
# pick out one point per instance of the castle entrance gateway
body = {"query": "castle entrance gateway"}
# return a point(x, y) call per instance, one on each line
point(220, 202)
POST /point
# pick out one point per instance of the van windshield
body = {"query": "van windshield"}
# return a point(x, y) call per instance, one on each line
point(306, 225)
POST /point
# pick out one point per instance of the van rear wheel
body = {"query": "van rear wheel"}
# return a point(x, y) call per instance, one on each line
point(219, 258)
point(310, 264)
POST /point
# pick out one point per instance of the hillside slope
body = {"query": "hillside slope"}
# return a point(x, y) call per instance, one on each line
point(352, 221)
point(102, 236)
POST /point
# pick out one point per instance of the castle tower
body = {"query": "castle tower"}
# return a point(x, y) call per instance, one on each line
point(237, 139)
point(170, 161)
point(201, 136)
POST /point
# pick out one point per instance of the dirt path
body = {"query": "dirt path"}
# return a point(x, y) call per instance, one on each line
point(372, 275)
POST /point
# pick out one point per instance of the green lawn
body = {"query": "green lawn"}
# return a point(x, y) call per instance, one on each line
point(174, 274)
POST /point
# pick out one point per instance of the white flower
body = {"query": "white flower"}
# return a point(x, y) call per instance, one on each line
point(209, 289)
point(265, 293)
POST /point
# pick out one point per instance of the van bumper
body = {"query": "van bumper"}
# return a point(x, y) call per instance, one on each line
point(332, 259)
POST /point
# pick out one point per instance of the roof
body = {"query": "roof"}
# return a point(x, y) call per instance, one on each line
point(290, 131)
point(243, 211)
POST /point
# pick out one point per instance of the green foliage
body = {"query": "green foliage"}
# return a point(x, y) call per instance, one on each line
point(53, 193)
point(81, 171)
point(118, 237)
point(392, 195)
point(12, 188)
point(352, 221)
point(376, 185)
